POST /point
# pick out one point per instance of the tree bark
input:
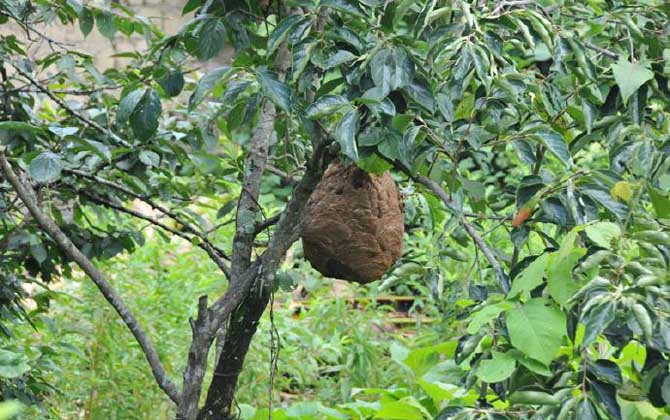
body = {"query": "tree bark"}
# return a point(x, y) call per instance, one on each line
point(237, 338)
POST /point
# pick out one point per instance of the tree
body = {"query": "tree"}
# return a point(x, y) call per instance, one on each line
point(551, 115)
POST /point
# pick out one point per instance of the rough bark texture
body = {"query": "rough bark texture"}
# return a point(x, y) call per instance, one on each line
point(239, 332)
point(236, 341)
point(354, 224)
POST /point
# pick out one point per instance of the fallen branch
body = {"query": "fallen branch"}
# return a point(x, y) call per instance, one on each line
point(28, 196)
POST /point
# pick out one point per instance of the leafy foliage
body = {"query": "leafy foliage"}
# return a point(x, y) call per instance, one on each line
point(552, 114)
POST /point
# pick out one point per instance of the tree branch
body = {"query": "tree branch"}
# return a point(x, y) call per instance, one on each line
point(601, 50)
point(247, 206)
point(433, 186)
point(89, 123)
point(156, 206)
point(261, 226)
point(206, 246)
point(27, 195)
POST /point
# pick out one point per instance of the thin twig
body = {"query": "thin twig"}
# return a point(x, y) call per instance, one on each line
point(206, 246)
point(601, 50)
point(29, 198)
point(156, 206)
point(476, 237)
point(90, 123)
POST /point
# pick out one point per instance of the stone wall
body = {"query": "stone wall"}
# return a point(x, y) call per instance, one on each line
point(166, 14)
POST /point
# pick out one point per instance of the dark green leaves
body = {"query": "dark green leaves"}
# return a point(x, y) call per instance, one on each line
point(339, 57)
point(606, 395)
point(343, 6)
point(556, 145)
point(606, 371)
point(46, 167)
point(345, 134)
point(144, 119)
point(596, 320)
point(207, 83)
point(127, 105)
point(281, 32)
point(142, 108)
point(391, 69)
point(326, 105)
point(274, 89)
point(211, 37)
point(105, 22)
point(85, 21)
point(172, 83)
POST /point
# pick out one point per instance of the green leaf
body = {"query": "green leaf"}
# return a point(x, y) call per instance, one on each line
point(281, 32)
point(190, 6)
point(556, 145)
point(630, 76)
point(211, 37)
point(537, 329)
point(13, 365)
point(496, 369)
point(374, 164)
point(605, 199)
point(105, 23)
point(606, 371)
point(596, 320)
point(421, 95)
point(391, 69)
point(586, 410)
point(302, 54)
point(144, 119)
point(531, 276)
point(63, 131)
point(275, 90)
point(530, 364)
point(86, 21)
point(46, 167)
point(20, 127)
point(603, 233)
point(561, 284)
point(606, 394)
point(533, 398)
point(10, 409)
point(340, 57)
point(485, 315)
point(149, 158)
point(343, 6)
point(589, 111)
point(172, 83)
point(326, 105)
point(127, 106)
point(207, 83)
point(345, 134)
point(660, 201)
point(399, 410)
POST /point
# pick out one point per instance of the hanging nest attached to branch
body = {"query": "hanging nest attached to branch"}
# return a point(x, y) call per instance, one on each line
point(353, 226)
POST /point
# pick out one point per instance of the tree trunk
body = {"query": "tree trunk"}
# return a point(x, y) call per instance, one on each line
point(237, 338)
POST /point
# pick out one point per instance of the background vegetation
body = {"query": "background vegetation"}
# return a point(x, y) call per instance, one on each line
point(531, 141)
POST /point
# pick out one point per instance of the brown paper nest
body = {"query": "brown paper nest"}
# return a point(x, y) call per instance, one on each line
point(353, 226)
